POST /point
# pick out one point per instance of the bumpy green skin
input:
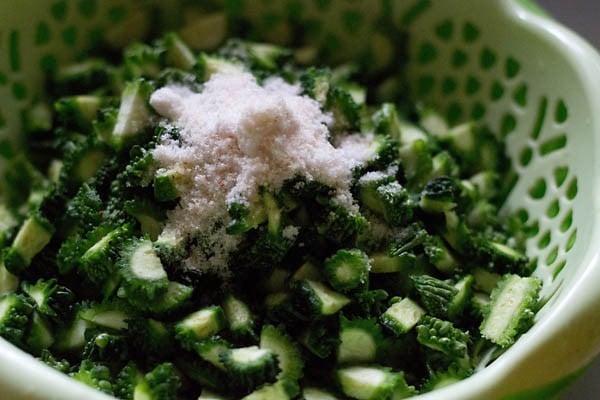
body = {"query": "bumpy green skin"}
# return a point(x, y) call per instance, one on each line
point(94, 375)
point(162, 383)
point(288, 352)
point(17, 310)
point(51, 299)
point(442, 336)
point(435, 295)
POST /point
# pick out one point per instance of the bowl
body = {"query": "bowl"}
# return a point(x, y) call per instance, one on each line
point(503, 63)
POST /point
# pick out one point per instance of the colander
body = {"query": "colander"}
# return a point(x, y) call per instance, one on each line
point(503, 63)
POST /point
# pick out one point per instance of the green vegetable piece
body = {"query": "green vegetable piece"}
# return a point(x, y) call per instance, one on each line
point(199, 325)
point(313, 393)
point(371, 383)
point(162, 383)
point(511, 310)
point(207, 65)
point(51, 299)
point(211, 349)
point(439, 195)
point(107, 315)
point(15, 314)
point(308, 270)
point(359, 341)
point(143, 61)
point(94, 375)
point(240, 319)
point(417, 160)
point(442, 336)
point(144, 278)
point(463, 297)
point(165, 185)
point(174, 298)
point(40, 334)
point(319, 299)
point(289, 356)
point(178, 54)
point(347, 270)
point(249, 367)
point(8, 282)
point(133, 116)
point(78, 112)
point(382, 194)
point(435, 295)
point(386, 121)
point(402, 316)
point(346, 111)
point(316, 83)
point(383, 263)
point(280, 390)
point(440, 255)
point(149, 215)
point(33, 235)
point(97, 262)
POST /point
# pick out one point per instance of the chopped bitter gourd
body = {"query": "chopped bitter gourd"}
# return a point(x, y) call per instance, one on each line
point(8, 282)
point(511, 310)
point(15, 314)
point(372, 383)
point(280, 390)
point(288, 353)
point(144, 277)
point(359, 341)
point(318, 299)
point(199, 325)
point(249, 367)
point(239, 317)
point(33, 235)
point(133, 116)
point(435, 294)
point(347, 269)
point(211, 349)
point(442, 336)
point(402, 316)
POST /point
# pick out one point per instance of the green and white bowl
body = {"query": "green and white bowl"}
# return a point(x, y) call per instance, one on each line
point(503, 63)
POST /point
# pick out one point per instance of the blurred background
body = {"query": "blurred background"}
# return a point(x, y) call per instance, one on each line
point(583, 17)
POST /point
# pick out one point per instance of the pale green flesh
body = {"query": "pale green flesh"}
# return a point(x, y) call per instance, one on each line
point(247, 355)
point(203, 323)
point(31, 239)
point(406, 314)
point(146, 265)
point(331, 301)
point(310, 393)
point(356, 346)
point(505, 309)
point(4, 308)
point(8, 282)
point(361, 382)
point(132, 116)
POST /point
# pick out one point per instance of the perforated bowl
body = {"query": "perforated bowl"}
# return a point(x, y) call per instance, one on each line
point(503, 63)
